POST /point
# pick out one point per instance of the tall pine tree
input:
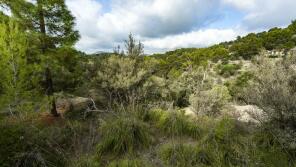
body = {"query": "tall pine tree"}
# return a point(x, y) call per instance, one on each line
point(53, 24)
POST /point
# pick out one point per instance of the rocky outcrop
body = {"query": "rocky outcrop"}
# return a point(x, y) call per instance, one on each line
point(73, 104)
point(248, 114)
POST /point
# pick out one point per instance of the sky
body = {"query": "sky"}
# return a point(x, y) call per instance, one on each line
point(164, 25)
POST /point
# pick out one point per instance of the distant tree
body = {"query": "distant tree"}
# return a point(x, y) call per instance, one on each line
point(247, 47)
point(133, 48)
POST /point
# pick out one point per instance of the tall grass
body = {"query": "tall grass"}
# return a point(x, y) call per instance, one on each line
point(124, 135)
point(177, 124)
point(128, 163)
point(178, 155)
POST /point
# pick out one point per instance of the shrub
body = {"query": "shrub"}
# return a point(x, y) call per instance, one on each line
point(25, 145)
point(124, 135)
point(210, 102)
point(189, 82)
point(273, 90)
point(177, 124)
point(178, 155)
point(84, 161)
point(228, 69)
point(128, 163)
point(225, 144)
point(237, 86)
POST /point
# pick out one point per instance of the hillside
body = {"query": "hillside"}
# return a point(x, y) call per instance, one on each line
point(231, 104)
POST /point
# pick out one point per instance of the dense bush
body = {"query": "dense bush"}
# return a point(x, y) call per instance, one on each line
point(228, 70)
point(273, 90)
point(124, 135)
point(27, 145)
point(128, 163)
point(179, 155)
point(210, 102)
point(236, 87)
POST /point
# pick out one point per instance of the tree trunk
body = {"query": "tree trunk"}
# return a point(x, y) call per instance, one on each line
point(48, 76)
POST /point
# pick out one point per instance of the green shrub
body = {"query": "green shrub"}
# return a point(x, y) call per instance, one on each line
point(178, 155)
point(183, 155)
point(11, 143)
point(228, 69)
point(152, 116)
point(226, 144)
point(210, 102)
point(124, 135)
point(25, 145)
point(237, 86)
point(84, 161)
point(266, 146)
point(177, 124)
point(128, 163)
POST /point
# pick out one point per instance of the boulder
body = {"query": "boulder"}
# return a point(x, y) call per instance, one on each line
point(248, 114)
point(73, 104)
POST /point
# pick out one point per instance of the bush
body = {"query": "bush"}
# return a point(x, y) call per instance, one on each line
point(25, 145)
point(84, 161)
point(128, 163)
point(124, 135)
point(273, 90)
point(210, 102)
point(226, 144)
point(228, 69)
point(237, 86)
point(177, 124)
point(178, 155)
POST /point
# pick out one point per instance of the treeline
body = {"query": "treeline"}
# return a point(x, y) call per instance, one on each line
point(280, 39)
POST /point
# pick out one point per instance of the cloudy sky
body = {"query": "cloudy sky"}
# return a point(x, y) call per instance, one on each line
point(169, 24)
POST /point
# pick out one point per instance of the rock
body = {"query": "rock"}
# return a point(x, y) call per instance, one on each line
point(189, 112)
point(80, 103)
point(248, 114)
point(73, 104)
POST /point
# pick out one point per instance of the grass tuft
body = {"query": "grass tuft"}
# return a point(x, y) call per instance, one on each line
point(124, 135)
point(177, 124)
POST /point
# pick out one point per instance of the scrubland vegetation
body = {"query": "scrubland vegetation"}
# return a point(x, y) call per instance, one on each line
point(175, 109)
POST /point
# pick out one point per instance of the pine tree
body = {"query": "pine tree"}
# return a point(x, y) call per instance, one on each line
point(133, 48)
point(13, 65)
point(54, 25)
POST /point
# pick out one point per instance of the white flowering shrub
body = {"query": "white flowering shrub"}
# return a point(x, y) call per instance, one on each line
point(210, 102)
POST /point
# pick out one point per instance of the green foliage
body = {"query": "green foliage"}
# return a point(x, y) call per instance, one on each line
point(16, 75)
point(273, 90)
point(278, 38)
point(177, 124)
point(128, 163)
point(121, 78)
point(247, 47)
point(236, 87)
point(179, 155)
point(84, 161)
point(228, 70)
point(25, 145)
point(124, 135)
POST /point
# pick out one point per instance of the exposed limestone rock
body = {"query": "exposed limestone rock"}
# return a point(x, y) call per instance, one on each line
point(73, 104)
point(248, 114)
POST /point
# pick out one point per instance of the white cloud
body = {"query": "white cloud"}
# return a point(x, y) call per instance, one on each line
point(169, 24)
point(145, 18)
point(264, 14)
point(200, 38)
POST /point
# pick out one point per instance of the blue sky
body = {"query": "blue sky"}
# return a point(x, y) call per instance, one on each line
point(164, 25)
